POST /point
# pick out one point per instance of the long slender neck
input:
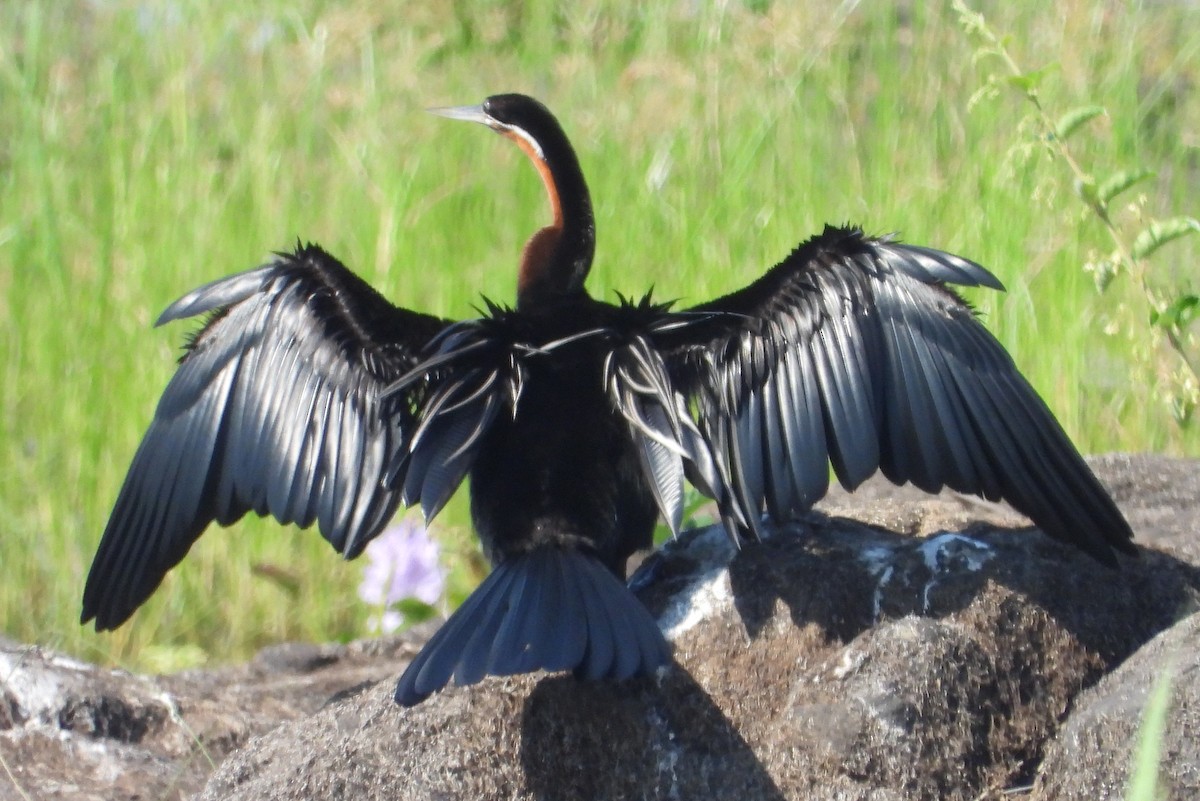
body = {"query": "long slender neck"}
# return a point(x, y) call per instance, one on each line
point(557, 258)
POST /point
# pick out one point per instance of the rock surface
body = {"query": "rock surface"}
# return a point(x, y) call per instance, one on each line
point(76, 732)
point(892, 646)
point(1092, 756)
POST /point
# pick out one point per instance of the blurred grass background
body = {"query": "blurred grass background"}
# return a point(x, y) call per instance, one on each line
point(149, 146)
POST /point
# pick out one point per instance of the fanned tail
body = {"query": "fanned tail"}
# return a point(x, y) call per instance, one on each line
point(552, 608)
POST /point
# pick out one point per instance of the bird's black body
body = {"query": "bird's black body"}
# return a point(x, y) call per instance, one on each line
point(564, 469)
point(309, 397)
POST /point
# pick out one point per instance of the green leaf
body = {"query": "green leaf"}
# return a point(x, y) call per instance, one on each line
point(1118, 182)
point(1070, 122)
point(1160, 232)
point(1028, 82)
point(1177, 314)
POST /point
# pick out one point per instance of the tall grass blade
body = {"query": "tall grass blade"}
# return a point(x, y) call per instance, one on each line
point(1143, 780)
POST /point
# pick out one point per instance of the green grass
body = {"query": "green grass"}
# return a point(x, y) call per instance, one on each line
point(147, 147)
point(1148, 754)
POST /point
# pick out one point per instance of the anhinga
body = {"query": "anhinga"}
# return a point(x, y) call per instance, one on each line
point(308, 396)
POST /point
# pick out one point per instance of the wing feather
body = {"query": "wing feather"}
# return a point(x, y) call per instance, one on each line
point(275, 408)
point(809, 465)
point(853, 353)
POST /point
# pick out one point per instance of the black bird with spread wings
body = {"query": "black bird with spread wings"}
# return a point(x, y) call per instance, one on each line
point(309, 397)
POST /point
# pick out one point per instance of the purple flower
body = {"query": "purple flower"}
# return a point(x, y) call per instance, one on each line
point(402, 562)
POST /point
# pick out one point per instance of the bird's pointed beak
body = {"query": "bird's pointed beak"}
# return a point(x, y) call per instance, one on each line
point(468, 113)
point(477, 114)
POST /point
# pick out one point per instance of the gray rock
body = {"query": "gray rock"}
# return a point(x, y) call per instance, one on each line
point(835, 660)
point(891, 646)
point(69, 730)
point(1092, 756)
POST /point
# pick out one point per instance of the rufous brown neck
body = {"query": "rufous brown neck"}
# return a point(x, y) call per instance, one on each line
point(557, 258)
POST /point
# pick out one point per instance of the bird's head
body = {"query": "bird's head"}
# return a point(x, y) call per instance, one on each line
point(557, 258)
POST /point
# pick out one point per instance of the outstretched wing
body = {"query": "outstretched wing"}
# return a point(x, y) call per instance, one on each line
point(275, 408)
point(852, 351)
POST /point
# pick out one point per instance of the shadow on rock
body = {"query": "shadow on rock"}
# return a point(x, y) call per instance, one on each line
point(941, 664)
point(916, 647)
point(669, 741)
point(845, 577)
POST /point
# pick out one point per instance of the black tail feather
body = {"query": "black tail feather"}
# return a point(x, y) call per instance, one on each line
point(552, 608)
